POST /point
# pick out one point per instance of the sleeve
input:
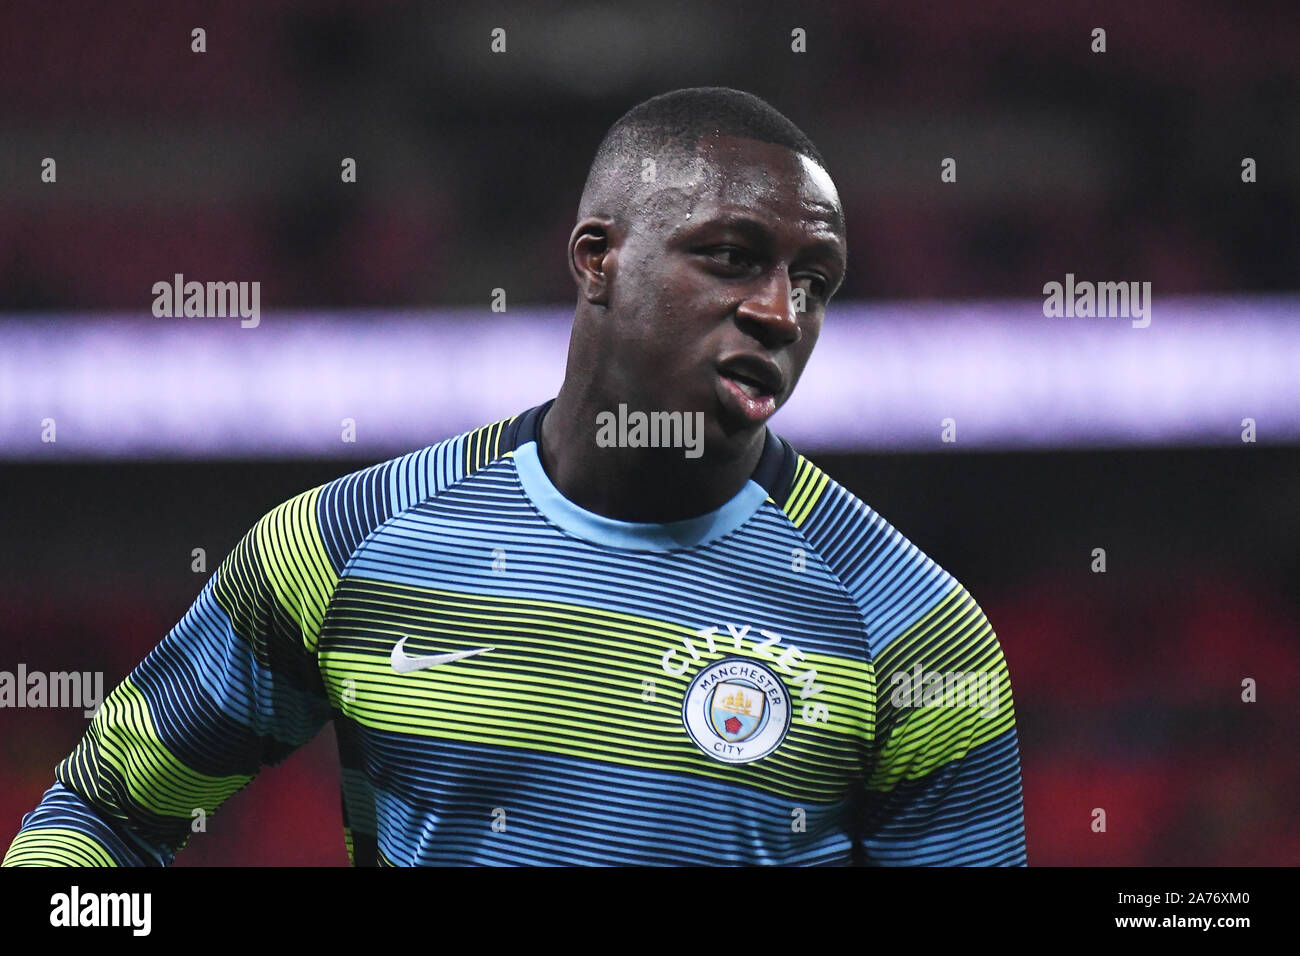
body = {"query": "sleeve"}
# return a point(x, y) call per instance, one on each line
point(232, 687)
point(944, 787)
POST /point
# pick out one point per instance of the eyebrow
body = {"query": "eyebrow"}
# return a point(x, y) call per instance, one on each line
point(758, 230)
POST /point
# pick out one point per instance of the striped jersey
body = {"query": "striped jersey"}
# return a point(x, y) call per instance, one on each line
point(516, 680)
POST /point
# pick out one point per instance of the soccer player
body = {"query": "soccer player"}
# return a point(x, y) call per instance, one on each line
point(628, 625)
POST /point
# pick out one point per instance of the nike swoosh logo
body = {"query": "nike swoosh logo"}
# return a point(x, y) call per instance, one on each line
point(403, 663)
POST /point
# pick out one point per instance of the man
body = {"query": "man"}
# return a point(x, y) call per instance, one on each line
point(630, 625)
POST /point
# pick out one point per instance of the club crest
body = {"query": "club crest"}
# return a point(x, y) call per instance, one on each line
point(736, 710)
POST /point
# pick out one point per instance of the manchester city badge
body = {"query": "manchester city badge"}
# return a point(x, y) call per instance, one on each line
point(737, 710)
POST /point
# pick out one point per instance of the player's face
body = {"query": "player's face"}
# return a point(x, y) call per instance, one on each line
point(730, 274)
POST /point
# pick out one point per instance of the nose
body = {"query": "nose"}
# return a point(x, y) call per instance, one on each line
point(768, 314)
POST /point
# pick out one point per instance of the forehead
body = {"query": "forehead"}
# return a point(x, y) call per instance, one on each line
point(730, 174)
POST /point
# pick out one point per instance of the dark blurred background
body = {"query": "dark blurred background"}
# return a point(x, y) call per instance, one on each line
point(1122, 165)
point(470, 163)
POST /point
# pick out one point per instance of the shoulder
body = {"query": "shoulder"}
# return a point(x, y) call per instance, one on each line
point(896, 586)
point(319, 529)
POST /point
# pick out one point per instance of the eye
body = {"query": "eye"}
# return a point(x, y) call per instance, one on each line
point(734, 257)
point(818, 286)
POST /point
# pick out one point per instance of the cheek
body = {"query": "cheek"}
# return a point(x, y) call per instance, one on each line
point(681, 301)
point(804, 350)
point(811, 332)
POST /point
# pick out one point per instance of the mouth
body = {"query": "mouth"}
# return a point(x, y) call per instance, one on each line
point(749, 385)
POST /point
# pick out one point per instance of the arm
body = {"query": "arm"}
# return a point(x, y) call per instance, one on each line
point(232, 687)
point(945, 786)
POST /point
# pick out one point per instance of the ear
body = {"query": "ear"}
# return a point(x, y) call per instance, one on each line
point(593, 257)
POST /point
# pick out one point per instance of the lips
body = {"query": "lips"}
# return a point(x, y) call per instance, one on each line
point(754, 375)
point(749, 385)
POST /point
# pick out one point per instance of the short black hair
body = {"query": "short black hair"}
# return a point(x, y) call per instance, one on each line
point(673, 123)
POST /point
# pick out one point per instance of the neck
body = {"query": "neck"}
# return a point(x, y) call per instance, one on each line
point(656, 485)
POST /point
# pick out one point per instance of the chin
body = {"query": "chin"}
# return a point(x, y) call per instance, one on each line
point(729, 431)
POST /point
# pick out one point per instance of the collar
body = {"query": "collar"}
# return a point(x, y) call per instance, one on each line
point(772, 478)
